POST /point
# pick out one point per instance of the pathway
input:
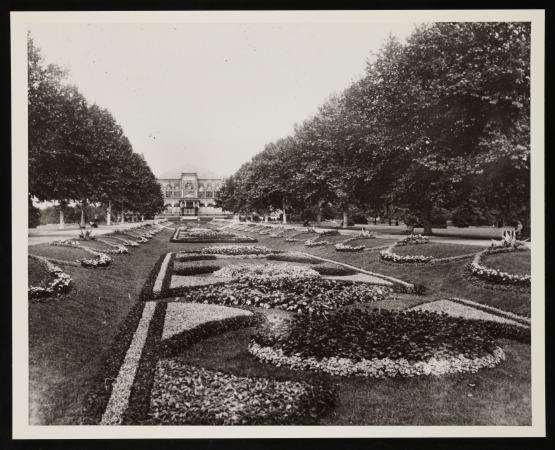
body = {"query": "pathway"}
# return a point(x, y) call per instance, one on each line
point(47, 233)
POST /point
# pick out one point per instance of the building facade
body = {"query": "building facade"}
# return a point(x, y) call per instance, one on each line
point(190, 195)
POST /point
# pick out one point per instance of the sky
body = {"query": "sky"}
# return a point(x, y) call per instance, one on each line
point(208, 97)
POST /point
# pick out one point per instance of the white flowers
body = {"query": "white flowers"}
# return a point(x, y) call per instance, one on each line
point(59, 284)
point(413, 239)
point(379, 368)
point(236, 250)
point(496, 276)
point(314, 243)
point(267, 271)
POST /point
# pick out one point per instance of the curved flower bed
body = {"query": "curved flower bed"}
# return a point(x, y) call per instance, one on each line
point(117, 249)
point(184, 394)
point(314, 243)
point(479, 270)
point(267, 271)
point(379, 344)
point(310, 296)
point(125, 242)
point(344, 246)
point(100, 259)
point(413, 239)
point(235, 250)
point(59, 284)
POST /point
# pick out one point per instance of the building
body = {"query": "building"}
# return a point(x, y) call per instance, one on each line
point(190, 196)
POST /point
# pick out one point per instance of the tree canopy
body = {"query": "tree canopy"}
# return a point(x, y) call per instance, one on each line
point(438, 122)
point(77, 151)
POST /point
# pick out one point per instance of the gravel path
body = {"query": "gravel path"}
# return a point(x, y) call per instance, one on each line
point(458, 310)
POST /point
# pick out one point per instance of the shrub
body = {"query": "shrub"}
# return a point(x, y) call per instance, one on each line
point(180, 269)
point(332, 270)
point(195, 257)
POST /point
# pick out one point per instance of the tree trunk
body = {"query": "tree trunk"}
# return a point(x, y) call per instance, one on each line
point(109, 214)
point(319, 213)
point(345, 217)
point(61, 226)
point(427, 221)
point(83, 224)
point(284, 205)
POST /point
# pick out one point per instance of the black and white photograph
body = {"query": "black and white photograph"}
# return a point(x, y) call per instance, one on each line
point(330, 221)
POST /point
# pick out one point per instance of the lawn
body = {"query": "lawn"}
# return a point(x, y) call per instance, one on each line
point(499, 396)
point(68, 336)
point(57, 252)
point(437, 250)
point(514, 262)
point(37, 272)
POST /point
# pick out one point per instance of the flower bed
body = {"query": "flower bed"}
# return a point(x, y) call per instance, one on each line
point(125, 242)
point(235, 250)
point(413, 239)
point(100, 259)
point(193, 269)
point(187, 395)
point(344, 246)
point(262, 272)
point(380, 344)
point(60, 282)
point(334, 270)
point(312, 296)
point(206, 235)
point(314, 243)
point(477, 269)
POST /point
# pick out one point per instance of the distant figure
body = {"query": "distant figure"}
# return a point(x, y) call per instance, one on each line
point(519, 227)
point(306, 223)
point(396, 223)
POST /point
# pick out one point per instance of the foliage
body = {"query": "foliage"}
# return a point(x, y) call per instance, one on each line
point(77, 151)
point(436, 124)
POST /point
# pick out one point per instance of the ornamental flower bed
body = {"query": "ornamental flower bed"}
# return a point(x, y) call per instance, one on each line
point(312, 296)
point(60, 282)
point(187, 395)
point(100, 259)
point(314, 243)
point(267, 271)
point(345, 247)
point(117, 249)
point(125, 242)
point(379, 344)
point(206, 235)
point(477, 269)
point(413, 239)
point(235, 250)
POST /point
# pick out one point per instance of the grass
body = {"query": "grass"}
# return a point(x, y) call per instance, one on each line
point(437, 250)
point(68, 337)
point(513, 262)
point(64, 253)
point(500, 396)
point(37, 272)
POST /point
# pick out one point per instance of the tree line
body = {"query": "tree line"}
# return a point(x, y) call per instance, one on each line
point(437, 124)
point(78, 153)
